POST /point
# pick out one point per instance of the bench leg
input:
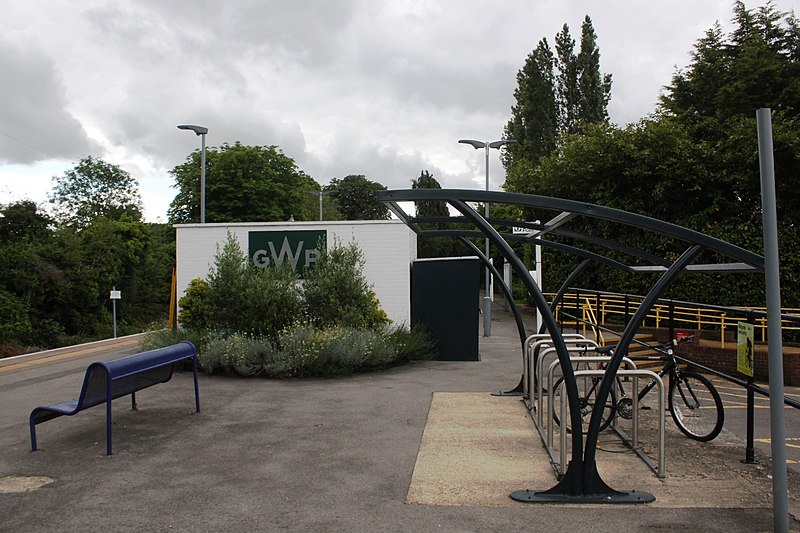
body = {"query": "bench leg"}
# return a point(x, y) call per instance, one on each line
point(108, 426)
point(33, 435)
point(196, 388)
point(133, 402)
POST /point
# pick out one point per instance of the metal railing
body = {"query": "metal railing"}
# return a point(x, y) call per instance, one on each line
point(601, 307)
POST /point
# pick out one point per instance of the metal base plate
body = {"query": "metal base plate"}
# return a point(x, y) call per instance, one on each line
point(531, 496)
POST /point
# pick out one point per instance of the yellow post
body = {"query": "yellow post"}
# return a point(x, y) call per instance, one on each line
point(172, 295)
point(722, 330)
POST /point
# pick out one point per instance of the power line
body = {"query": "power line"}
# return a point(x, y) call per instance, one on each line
point(29, 145)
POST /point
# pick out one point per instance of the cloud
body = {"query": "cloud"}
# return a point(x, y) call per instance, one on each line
point(35, 121)
point(374, 87)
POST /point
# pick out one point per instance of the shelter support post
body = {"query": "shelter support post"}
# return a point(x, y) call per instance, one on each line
point(780, 491)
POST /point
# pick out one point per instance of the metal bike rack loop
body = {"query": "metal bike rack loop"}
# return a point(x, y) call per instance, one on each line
point(537, 341)
point(633, 443)
point(551, 374)
point(581, 348)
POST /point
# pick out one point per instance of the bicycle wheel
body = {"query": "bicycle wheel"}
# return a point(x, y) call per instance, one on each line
point(586, 400)
point(695, 406)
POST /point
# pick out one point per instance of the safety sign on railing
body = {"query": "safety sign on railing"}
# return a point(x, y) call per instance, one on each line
point(744, 349)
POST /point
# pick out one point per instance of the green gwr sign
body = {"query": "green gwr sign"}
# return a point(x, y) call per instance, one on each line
point(299, 248)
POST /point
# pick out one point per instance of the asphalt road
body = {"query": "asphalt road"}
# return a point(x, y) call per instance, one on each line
point(734, 398)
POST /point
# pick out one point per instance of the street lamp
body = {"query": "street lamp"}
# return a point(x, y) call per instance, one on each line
point(201, 132)
point(487, 299)
point(321, 194)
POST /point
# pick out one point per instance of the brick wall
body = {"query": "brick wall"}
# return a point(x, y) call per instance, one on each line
point(724, 360)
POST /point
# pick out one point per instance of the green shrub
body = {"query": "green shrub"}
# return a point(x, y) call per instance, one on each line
point(301, 350)
point(194, 305)
point(335, 291)
point(412, 344)
point(243, 298)
point(247, 320)
point(159, 337)
point(272, 301)
point(335, 351)
point(298, 348)
point(227, 284)
point(237, 353)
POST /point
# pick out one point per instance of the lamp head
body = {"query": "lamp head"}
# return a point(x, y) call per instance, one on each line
point(498, 144)
point(199, 130)
point(473, 143)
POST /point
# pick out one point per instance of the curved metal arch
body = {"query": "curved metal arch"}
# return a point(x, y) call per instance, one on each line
point(570, 234)
point(548, 244)
point(732, 251)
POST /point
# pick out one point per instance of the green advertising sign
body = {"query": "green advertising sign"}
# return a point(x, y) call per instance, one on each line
point(299, 248)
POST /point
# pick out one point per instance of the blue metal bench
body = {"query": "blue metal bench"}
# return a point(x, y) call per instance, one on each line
point(105, 381)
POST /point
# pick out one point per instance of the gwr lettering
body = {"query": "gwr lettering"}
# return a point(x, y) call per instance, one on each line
point(263, 259)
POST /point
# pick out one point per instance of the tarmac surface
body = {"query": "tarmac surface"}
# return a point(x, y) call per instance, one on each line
point(350, 454)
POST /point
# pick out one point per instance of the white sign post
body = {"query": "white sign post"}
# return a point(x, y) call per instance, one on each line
point(536, 273)
point(115, 295)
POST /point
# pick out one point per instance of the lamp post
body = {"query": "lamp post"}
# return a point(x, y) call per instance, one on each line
point(487, 299)
point(201, 132)
point(321, 194)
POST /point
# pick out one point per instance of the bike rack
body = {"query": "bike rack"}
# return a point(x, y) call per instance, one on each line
point(551, 374)
point(545, 431)
point(578, 347)
point(536, 341)
point(659, 468)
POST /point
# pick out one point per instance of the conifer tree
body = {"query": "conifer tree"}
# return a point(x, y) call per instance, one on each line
point(556, 94)
point(535, 117)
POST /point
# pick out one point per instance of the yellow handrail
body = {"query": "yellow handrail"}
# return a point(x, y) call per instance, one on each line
point(612, 308)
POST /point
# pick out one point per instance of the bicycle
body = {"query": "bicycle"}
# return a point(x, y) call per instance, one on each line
point(694, 403)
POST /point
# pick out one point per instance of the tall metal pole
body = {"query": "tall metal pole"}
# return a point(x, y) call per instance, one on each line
point(114, 306)
point(203, 178)
point(780, 492)
point(320, 206)
point(200, 131)
point(487, 298)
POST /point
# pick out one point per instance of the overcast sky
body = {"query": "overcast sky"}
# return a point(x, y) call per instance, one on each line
point(373, 87)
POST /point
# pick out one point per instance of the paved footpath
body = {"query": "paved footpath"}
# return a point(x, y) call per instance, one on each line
point(303, 455)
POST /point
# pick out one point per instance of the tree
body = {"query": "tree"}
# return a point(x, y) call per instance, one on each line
point(428, 208)
point(24, 221)
point(695, 163)
point(757, 65)
point(433, 246)
point(357, 198)
point(243, 184)
point(94, 188)
point(54, 280)
point(567, 82)
point(556, 95)
point(535, 116)
point(594, 87)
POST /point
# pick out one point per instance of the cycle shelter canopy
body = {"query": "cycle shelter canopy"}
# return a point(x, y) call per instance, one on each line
point(584, 230)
